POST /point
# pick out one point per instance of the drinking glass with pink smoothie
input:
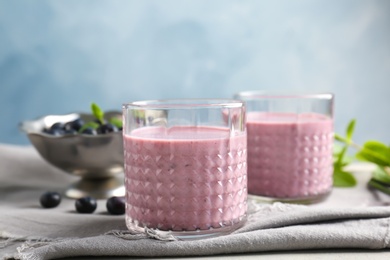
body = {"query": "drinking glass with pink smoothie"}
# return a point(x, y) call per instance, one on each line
point(290, 142)
point(185, 166)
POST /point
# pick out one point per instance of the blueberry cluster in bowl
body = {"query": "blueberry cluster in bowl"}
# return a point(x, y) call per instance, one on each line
point(79, 126)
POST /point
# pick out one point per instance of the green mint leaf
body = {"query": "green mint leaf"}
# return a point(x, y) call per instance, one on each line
point(87, 125)
point(340, 138)
point(97, 112)
point(343, 179)
point(336, 150)
point(116, 122)
point(340, 157)
point(378, 147)
point(344, 163)
point(350, 130)
point(379, 186)
point(366, 154)
point(381, 175)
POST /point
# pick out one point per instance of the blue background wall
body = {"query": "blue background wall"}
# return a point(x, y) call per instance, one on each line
point(59, 56)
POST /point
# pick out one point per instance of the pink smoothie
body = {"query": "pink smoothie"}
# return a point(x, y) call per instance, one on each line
point(185, 178)
point(289, 155)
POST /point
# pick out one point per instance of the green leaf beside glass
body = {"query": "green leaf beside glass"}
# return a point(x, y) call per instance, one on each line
point(341, 177)
point(372, 151)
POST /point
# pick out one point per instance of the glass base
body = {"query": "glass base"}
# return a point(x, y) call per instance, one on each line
point(298, 200)
point(191, 235)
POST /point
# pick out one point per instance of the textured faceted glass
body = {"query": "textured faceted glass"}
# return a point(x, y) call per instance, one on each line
point(187, 171)
point(290, 144)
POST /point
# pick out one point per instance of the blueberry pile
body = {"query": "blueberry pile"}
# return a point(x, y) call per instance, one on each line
point(78, 126)
point(69, 128)
point(85, 205)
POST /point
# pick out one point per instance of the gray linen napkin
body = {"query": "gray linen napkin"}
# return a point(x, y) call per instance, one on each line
point(30, 232)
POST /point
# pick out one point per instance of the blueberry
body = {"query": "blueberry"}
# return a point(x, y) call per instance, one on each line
point(107, 128)
point(75, 124)
point(54, 131)
point(97, 121)
point(50, 199)
point(116, 205)
point(68, 126)
point(78, 123)
point(70, 132)
point(89, 131)
point(86, 205)
point(57, 126)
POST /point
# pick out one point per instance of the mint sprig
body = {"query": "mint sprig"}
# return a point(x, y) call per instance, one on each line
point(93, 125)
point(379, 154)
point(97, 112)
point(116, 122)
point(341, 177)
point(372, 151)
point(382, 175)
point(381, 180)
point(375, 152)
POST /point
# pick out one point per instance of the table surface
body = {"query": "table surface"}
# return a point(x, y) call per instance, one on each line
point(359, 196)
point(353, 254)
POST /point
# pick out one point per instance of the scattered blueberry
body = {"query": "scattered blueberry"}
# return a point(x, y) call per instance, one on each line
point(106, 128)
point(86, 205)
point(116, 205)
point(50, 199)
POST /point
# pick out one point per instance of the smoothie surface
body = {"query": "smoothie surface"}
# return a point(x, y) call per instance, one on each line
point(180, 133)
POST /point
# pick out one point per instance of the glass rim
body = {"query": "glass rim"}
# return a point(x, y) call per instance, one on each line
point(283, 94)
point(185, 103)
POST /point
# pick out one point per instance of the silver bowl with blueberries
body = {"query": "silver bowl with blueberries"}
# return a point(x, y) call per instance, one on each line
point(86, 145)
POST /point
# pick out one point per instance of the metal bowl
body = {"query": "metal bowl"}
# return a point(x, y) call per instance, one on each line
point(97, 159)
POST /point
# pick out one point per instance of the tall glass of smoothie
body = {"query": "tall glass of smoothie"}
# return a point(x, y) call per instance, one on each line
point(185, 166)
point(290, 140)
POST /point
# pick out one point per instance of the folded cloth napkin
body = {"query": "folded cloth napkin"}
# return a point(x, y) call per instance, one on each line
point(28, 231)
